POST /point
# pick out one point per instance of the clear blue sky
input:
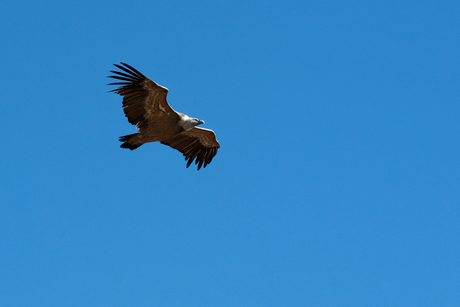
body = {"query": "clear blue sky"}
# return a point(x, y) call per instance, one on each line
point(337, 182)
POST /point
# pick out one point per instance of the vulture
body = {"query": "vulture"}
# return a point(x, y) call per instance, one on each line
point(145, 105)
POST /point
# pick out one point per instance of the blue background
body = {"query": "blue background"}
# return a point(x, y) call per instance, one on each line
point(337, 181)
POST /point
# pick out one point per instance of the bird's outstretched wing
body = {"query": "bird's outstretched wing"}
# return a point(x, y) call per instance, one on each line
point(196, 143)
point(144, 100)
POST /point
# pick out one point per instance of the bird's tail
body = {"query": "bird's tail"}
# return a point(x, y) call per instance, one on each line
point(131, 141)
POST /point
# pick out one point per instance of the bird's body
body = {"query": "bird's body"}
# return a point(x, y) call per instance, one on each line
point(145, 105)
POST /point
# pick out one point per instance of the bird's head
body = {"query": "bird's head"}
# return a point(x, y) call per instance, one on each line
point(191, 122)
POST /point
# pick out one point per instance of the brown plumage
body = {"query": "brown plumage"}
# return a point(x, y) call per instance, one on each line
point(145, 105)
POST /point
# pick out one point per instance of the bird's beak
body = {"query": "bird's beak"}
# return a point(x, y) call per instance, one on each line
point(201, 122)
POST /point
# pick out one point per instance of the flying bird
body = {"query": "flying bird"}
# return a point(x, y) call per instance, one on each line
point(145, 105)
